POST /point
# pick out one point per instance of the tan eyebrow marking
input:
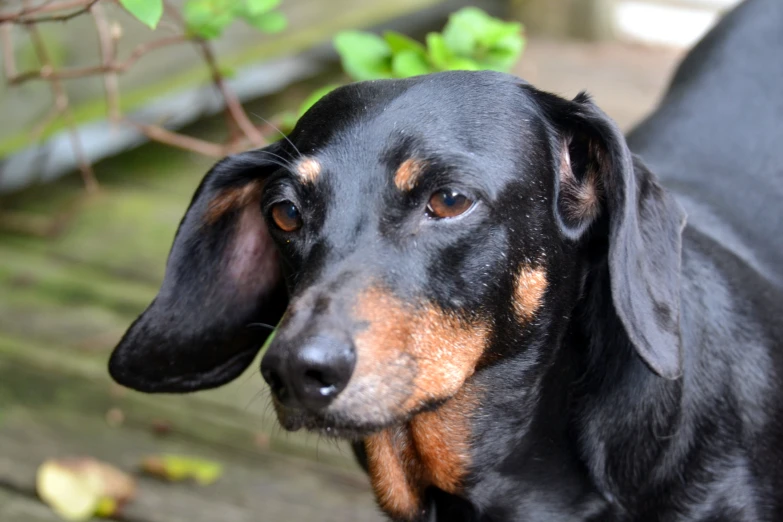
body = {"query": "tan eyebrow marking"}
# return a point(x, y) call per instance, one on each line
point(408, 173)
point(308, 169)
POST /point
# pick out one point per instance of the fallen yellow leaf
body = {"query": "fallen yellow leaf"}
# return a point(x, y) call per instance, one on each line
point(176, 468)
point(80, 488)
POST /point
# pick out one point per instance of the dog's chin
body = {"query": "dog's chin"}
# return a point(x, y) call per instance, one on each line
point(332, 428)
point(341, 426)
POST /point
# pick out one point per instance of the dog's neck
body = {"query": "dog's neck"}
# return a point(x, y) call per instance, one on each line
point(530, 465)
point(570, 458)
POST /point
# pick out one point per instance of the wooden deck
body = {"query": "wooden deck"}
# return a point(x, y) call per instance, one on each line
point(66, 299)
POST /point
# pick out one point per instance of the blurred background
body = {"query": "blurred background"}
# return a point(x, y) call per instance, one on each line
point(107, 127)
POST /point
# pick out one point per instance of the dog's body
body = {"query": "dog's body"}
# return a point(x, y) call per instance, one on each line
point(544, 339)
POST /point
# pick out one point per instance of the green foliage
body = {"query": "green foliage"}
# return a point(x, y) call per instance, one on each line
point(487, 42)
point(147, 12)
point(364, 55)
point(472, 40)
point(208, 19)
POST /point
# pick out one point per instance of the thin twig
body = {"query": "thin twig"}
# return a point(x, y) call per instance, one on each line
point(31, 10)
point(62, 102)
point(232, 103)
point(180, 141)
point(9, 60)
point(24, 17)
point(107, 45)
point(80, 72)
point(242, 132)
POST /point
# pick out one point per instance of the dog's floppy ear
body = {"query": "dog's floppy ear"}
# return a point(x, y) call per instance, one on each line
point(222, 275)
point(597, 175)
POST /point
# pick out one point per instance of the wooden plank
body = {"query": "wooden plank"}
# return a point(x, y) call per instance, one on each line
point(236, 418)
point(15, 507)
point(261, 486)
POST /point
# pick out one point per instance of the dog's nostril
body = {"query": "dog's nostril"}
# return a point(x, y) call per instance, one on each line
point(319, 379)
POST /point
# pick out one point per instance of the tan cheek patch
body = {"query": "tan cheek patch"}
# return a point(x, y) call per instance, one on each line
point(230, 200)
point(408, 173)
point(444, 348)
point(308, 169)
point(580, 199)
point(529, 289)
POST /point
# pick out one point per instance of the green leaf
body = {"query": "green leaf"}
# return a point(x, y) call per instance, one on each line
point(489, 42)
point(256, 7)
point(398, 43)
point(365, 56)
point(439, 52)
point(147, 12)
point(499, 60)
point(498, 33)
point(177, 468)
point(409, 63)
point(271, 22)
point(208, 18)
point(314, 97)
point(464, 28)
point(462, 64)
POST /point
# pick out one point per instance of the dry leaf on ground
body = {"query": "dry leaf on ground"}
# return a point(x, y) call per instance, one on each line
point(80, 488)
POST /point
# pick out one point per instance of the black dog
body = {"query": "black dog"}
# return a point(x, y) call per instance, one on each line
point(501, 303)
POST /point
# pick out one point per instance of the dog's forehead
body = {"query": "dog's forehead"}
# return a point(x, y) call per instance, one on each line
point(463, 108)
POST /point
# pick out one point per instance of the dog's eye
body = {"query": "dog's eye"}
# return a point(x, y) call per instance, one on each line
point(448, 203)
point(286, 216)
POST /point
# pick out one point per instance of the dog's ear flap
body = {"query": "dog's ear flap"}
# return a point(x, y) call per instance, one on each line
point(223, 273)
point(596, 175)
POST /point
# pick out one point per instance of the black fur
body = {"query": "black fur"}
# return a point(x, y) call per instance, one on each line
point(649, 387)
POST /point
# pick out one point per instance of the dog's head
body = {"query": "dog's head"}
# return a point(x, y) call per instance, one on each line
point(405, 235)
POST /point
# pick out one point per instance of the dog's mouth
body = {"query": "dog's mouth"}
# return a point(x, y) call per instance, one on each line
point(341, 426)
point(294, 420)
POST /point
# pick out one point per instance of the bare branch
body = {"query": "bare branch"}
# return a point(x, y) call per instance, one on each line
point(24, 17)
point(232, 103)
point(80, 72)
point(9, 60)
point(61, 101)
point(108, 51)
point(242, 132)
point(180, 141)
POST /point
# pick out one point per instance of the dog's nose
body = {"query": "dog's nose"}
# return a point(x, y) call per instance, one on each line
point(313, 374)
